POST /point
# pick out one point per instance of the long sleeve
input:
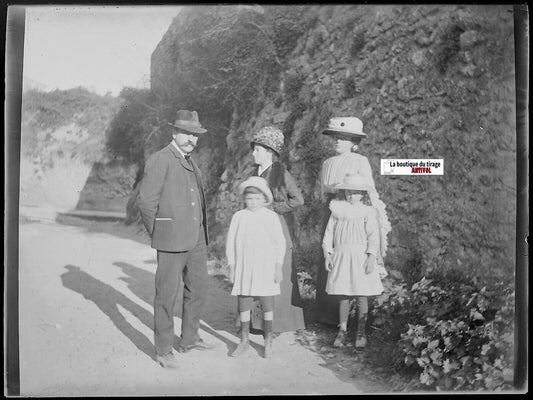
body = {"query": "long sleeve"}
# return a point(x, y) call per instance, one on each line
point(230, 240)
point(152, 183)
point(294, 196)
point(372, 233)
point(278, 239)
point(327, 241)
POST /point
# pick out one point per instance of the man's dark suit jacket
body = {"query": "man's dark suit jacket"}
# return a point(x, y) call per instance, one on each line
point(167, 201)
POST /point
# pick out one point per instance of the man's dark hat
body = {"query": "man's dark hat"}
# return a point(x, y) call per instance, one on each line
point(188, 121)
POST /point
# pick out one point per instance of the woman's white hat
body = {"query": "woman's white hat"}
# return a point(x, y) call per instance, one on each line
point(354, 182)
point(258, 183)
point(345, 126)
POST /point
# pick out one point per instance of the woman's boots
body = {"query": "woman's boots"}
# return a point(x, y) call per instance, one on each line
point(244, 345)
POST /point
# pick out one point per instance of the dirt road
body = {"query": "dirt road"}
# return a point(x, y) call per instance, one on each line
point(86, 323)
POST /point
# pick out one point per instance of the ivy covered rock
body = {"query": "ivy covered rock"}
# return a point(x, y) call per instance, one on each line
point(429, 81)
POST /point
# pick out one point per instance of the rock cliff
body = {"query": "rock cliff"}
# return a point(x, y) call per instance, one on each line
point(427, 81)
point(64, 164)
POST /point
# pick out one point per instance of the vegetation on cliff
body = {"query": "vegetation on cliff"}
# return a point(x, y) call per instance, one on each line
point(45, 115)
point(428, 82)
point(62, 140)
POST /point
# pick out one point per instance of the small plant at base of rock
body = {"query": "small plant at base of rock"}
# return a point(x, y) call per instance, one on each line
point(307, 285)
point(463, 353)
point(458, 338)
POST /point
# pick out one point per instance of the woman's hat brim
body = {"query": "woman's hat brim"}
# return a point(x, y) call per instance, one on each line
point(252, 144)
point(345, 134)
point(347, 186)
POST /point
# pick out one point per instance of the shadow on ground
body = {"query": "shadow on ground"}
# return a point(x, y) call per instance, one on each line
point(219, 311)
point(108, 299)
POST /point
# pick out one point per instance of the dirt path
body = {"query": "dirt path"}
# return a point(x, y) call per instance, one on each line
point(86, 322)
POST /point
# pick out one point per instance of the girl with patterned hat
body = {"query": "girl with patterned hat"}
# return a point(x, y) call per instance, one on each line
point(267, 144)
point(351, 245)
point(347, 132)
point(255, 249)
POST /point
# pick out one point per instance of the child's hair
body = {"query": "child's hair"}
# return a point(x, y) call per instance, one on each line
point(252, 190)
point(365, 200)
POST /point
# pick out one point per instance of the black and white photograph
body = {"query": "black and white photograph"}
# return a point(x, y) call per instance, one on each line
point(261, 199)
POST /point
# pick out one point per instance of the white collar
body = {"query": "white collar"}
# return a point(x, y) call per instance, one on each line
point(261, 170)
point(177, 148)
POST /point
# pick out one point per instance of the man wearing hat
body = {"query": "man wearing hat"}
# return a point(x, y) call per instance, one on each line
point(172, 205)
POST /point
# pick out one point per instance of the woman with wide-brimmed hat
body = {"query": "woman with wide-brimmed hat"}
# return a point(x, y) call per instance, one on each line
point(347, 133)
point(267, 144)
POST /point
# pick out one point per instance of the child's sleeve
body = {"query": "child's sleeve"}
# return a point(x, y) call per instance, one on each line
point(230, 240)
point(372, 232)
point(327, 240)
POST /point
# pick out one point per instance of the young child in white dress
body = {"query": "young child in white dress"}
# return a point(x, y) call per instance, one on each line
point(351, 245)
point(255, 248)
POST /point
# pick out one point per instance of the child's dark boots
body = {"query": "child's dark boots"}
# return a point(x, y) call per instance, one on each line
point(244, 345)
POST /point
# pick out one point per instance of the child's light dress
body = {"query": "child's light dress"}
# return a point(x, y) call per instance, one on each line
point(333, 172)
point(255, 244)
point(352, 233)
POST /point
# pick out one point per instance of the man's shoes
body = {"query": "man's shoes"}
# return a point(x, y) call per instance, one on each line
point(199, 345)
point(168, 360)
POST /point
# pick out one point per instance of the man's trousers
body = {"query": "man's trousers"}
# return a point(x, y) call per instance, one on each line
point(191, 266)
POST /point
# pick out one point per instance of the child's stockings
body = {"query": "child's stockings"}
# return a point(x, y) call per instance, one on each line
point(244, 345)
point(362, 313)
point(344, 309)
point(267, 327)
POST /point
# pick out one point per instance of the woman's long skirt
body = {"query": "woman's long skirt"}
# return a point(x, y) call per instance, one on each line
point(326, 306)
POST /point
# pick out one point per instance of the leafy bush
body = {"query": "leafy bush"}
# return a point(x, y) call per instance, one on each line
point(132, 126)
point(65, 123)
point(453, 335)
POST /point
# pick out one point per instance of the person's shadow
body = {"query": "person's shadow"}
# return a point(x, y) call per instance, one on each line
point(108, 299)
point(219, 309)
